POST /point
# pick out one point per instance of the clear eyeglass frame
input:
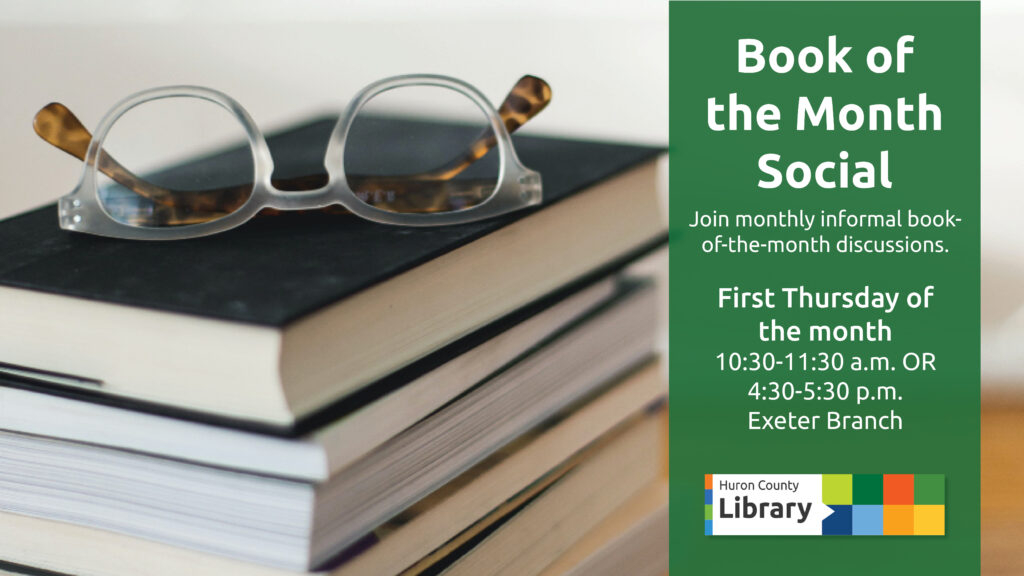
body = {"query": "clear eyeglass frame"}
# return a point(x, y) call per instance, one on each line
point(517, 186)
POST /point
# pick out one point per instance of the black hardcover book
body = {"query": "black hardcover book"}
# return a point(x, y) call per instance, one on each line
point(278, 318)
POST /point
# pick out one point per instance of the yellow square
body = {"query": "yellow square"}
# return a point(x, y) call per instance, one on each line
point(929, 520)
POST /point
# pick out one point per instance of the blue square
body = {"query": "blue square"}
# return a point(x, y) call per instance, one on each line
point(840, 523)
point(708, 499)
point(707, 527)
point(867, 520)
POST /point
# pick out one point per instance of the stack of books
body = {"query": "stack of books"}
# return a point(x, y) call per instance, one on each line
point(317, 393)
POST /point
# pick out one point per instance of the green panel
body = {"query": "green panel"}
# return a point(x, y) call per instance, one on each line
point(931, 171)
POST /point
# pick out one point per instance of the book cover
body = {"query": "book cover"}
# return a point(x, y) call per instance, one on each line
point(275, 270)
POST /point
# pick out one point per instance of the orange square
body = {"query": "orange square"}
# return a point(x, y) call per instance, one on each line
point(929, 520)
point(898, 520)
point(708, 481)
point(898, 489)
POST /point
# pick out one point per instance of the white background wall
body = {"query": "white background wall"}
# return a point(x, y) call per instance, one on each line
point(606, 60)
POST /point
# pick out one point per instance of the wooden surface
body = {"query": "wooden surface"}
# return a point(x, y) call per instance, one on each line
point(1002, 472)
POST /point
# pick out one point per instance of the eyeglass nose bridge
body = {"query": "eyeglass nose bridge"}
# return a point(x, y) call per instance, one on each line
point(301, 199)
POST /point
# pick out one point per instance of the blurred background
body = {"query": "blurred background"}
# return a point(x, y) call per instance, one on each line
point(607, 62)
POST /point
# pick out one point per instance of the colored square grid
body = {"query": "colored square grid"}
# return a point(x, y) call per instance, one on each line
point(708, 498)
point(709, 481)
point(867, 489)
point(839, 523)
point(867, 518)
point(837, 489)
point(929, 520)
point(898, 520)
point(708, 531)
point(898, 489)
point(929, 489)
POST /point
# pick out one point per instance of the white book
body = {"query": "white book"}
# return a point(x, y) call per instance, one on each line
point(314, 456)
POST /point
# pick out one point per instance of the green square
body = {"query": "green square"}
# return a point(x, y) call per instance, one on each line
point(837, 489)
point(708, 512)
point(867, 489)
point(929, 488)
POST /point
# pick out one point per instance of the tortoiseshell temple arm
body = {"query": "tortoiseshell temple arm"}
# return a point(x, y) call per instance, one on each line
point(527, 98)
point(57, 125)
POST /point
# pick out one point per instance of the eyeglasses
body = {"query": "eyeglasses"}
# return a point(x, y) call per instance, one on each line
point(390, 158)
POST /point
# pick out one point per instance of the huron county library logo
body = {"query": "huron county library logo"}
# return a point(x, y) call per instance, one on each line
point(825, 504)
